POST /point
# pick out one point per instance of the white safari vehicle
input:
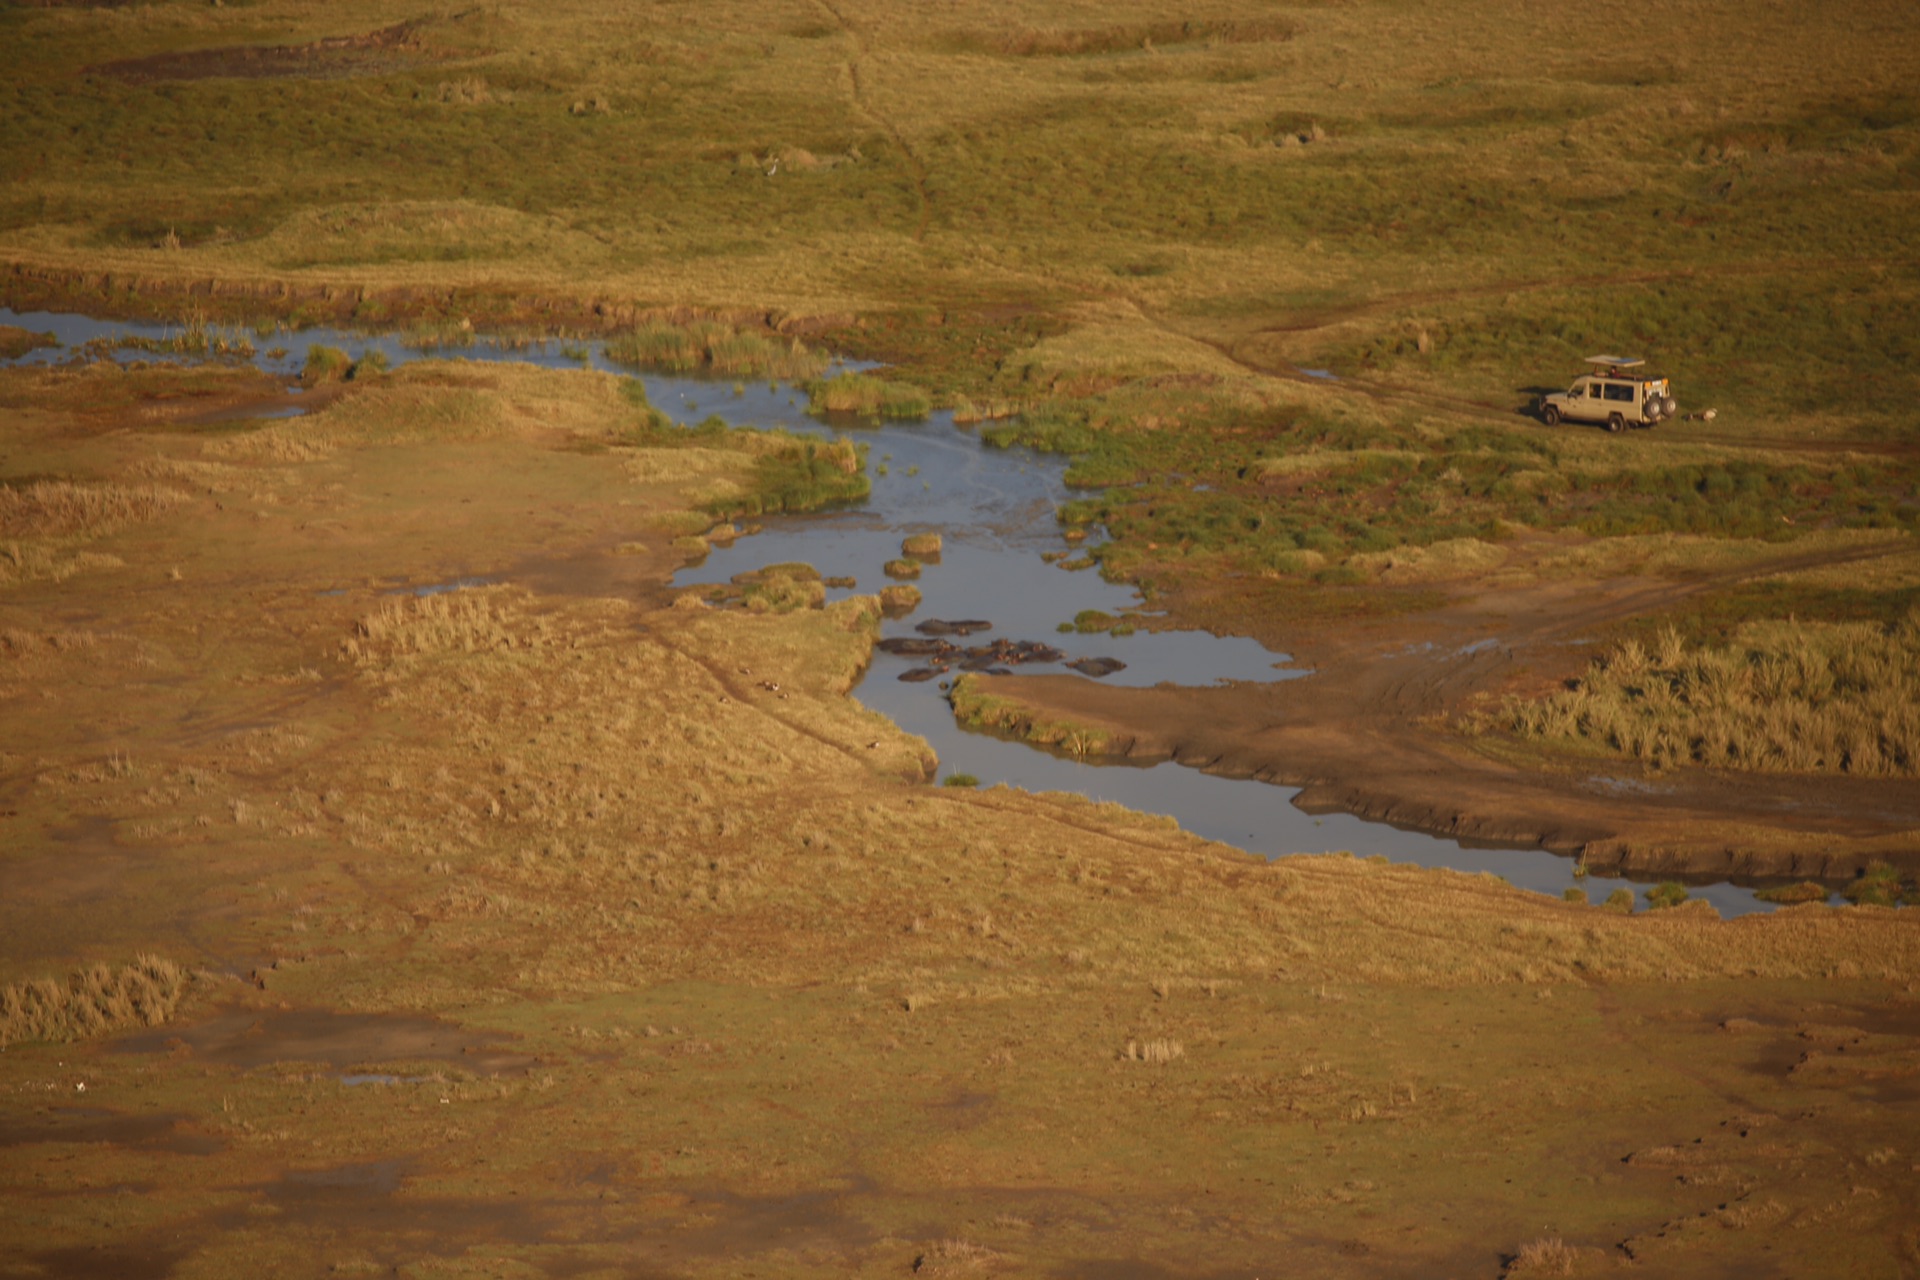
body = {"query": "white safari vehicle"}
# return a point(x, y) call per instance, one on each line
point(1617, 393)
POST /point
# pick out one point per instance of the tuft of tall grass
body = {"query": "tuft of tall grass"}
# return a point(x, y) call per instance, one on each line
point(1155, 1051)
point(92, 1002)
point(1783, 697)
point(466, 620)
point(325, 364)
point(711, 346)
point(54, 508)
point(867, 395)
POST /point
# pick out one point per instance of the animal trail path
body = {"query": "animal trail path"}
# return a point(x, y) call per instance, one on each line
point(863, 103)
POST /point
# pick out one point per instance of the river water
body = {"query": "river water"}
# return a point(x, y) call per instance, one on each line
point(994, 509)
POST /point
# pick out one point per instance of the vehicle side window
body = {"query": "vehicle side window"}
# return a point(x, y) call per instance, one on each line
point(1593, 390)
point(1619, 391)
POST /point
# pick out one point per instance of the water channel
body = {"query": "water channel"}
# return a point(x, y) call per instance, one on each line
point(995, 511)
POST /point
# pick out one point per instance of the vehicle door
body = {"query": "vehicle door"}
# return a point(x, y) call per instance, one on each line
point(1585, 403)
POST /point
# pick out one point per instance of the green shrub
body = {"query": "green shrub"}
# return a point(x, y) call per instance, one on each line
point(1620, 900)
point(1878, 886)
point(1666, 894)
point(372, 363)
point(960, 780)
point(325, 364)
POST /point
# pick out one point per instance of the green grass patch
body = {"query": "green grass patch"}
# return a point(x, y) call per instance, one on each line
point(868, 396)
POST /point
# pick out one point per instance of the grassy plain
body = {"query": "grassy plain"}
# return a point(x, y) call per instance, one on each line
point(552, 926)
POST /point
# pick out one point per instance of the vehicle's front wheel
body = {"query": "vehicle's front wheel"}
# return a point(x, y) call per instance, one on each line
point(1616, 423)
point(1550, 414)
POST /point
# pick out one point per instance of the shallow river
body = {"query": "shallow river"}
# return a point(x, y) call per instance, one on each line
point(994, 509)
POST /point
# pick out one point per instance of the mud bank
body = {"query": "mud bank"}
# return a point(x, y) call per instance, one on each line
point(1372, 732)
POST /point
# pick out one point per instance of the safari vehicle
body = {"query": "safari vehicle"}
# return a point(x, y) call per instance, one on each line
point(1617, 392)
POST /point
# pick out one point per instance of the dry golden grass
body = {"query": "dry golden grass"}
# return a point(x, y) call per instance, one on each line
point(60, 508)
point(96, 1000)
point(1785, 696)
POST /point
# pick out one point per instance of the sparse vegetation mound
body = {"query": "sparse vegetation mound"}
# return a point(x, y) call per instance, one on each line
point(1784, 696)
point(92, 1002)
point(325, 364)
point(468, 620)
point(782, 588)
point(972, 705)
point(864, 394)
point(712, 346)
point(801, 475)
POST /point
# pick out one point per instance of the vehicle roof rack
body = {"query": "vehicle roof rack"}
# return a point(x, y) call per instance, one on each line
point(1616, 362)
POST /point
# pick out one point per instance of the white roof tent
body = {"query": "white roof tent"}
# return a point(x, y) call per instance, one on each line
point(1616, 362)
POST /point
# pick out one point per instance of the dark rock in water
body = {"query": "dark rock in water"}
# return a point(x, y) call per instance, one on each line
point(940, 627)
point(907, 646)
point(918, 674)
point(1097, 667)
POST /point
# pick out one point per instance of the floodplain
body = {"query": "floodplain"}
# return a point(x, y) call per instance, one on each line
point(444, 835)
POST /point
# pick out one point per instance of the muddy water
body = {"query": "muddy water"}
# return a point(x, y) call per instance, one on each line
point(994, 509)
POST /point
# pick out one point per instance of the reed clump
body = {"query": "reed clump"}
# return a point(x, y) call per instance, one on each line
point(92, 1002)
point(711, 346)
point(58, 508)
point(1782, 697)
point(867, 395)
point(466, 620)
point(800, 475)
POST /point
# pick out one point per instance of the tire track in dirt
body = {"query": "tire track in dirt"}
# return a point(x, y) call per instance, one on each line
point(864, 105)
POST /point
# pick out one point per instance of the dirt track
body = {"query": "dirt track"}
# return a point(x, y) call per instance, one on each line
point(1368, 733)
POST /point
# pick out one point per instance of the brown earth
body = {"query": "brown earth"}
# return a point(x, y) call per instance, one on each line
point(1371, 732)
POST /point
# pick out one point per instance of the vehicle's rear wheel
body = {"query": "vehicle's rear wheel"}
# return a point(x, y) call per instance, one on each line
point(1550, 415)
point(1616, 423)
point(1668, 406)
